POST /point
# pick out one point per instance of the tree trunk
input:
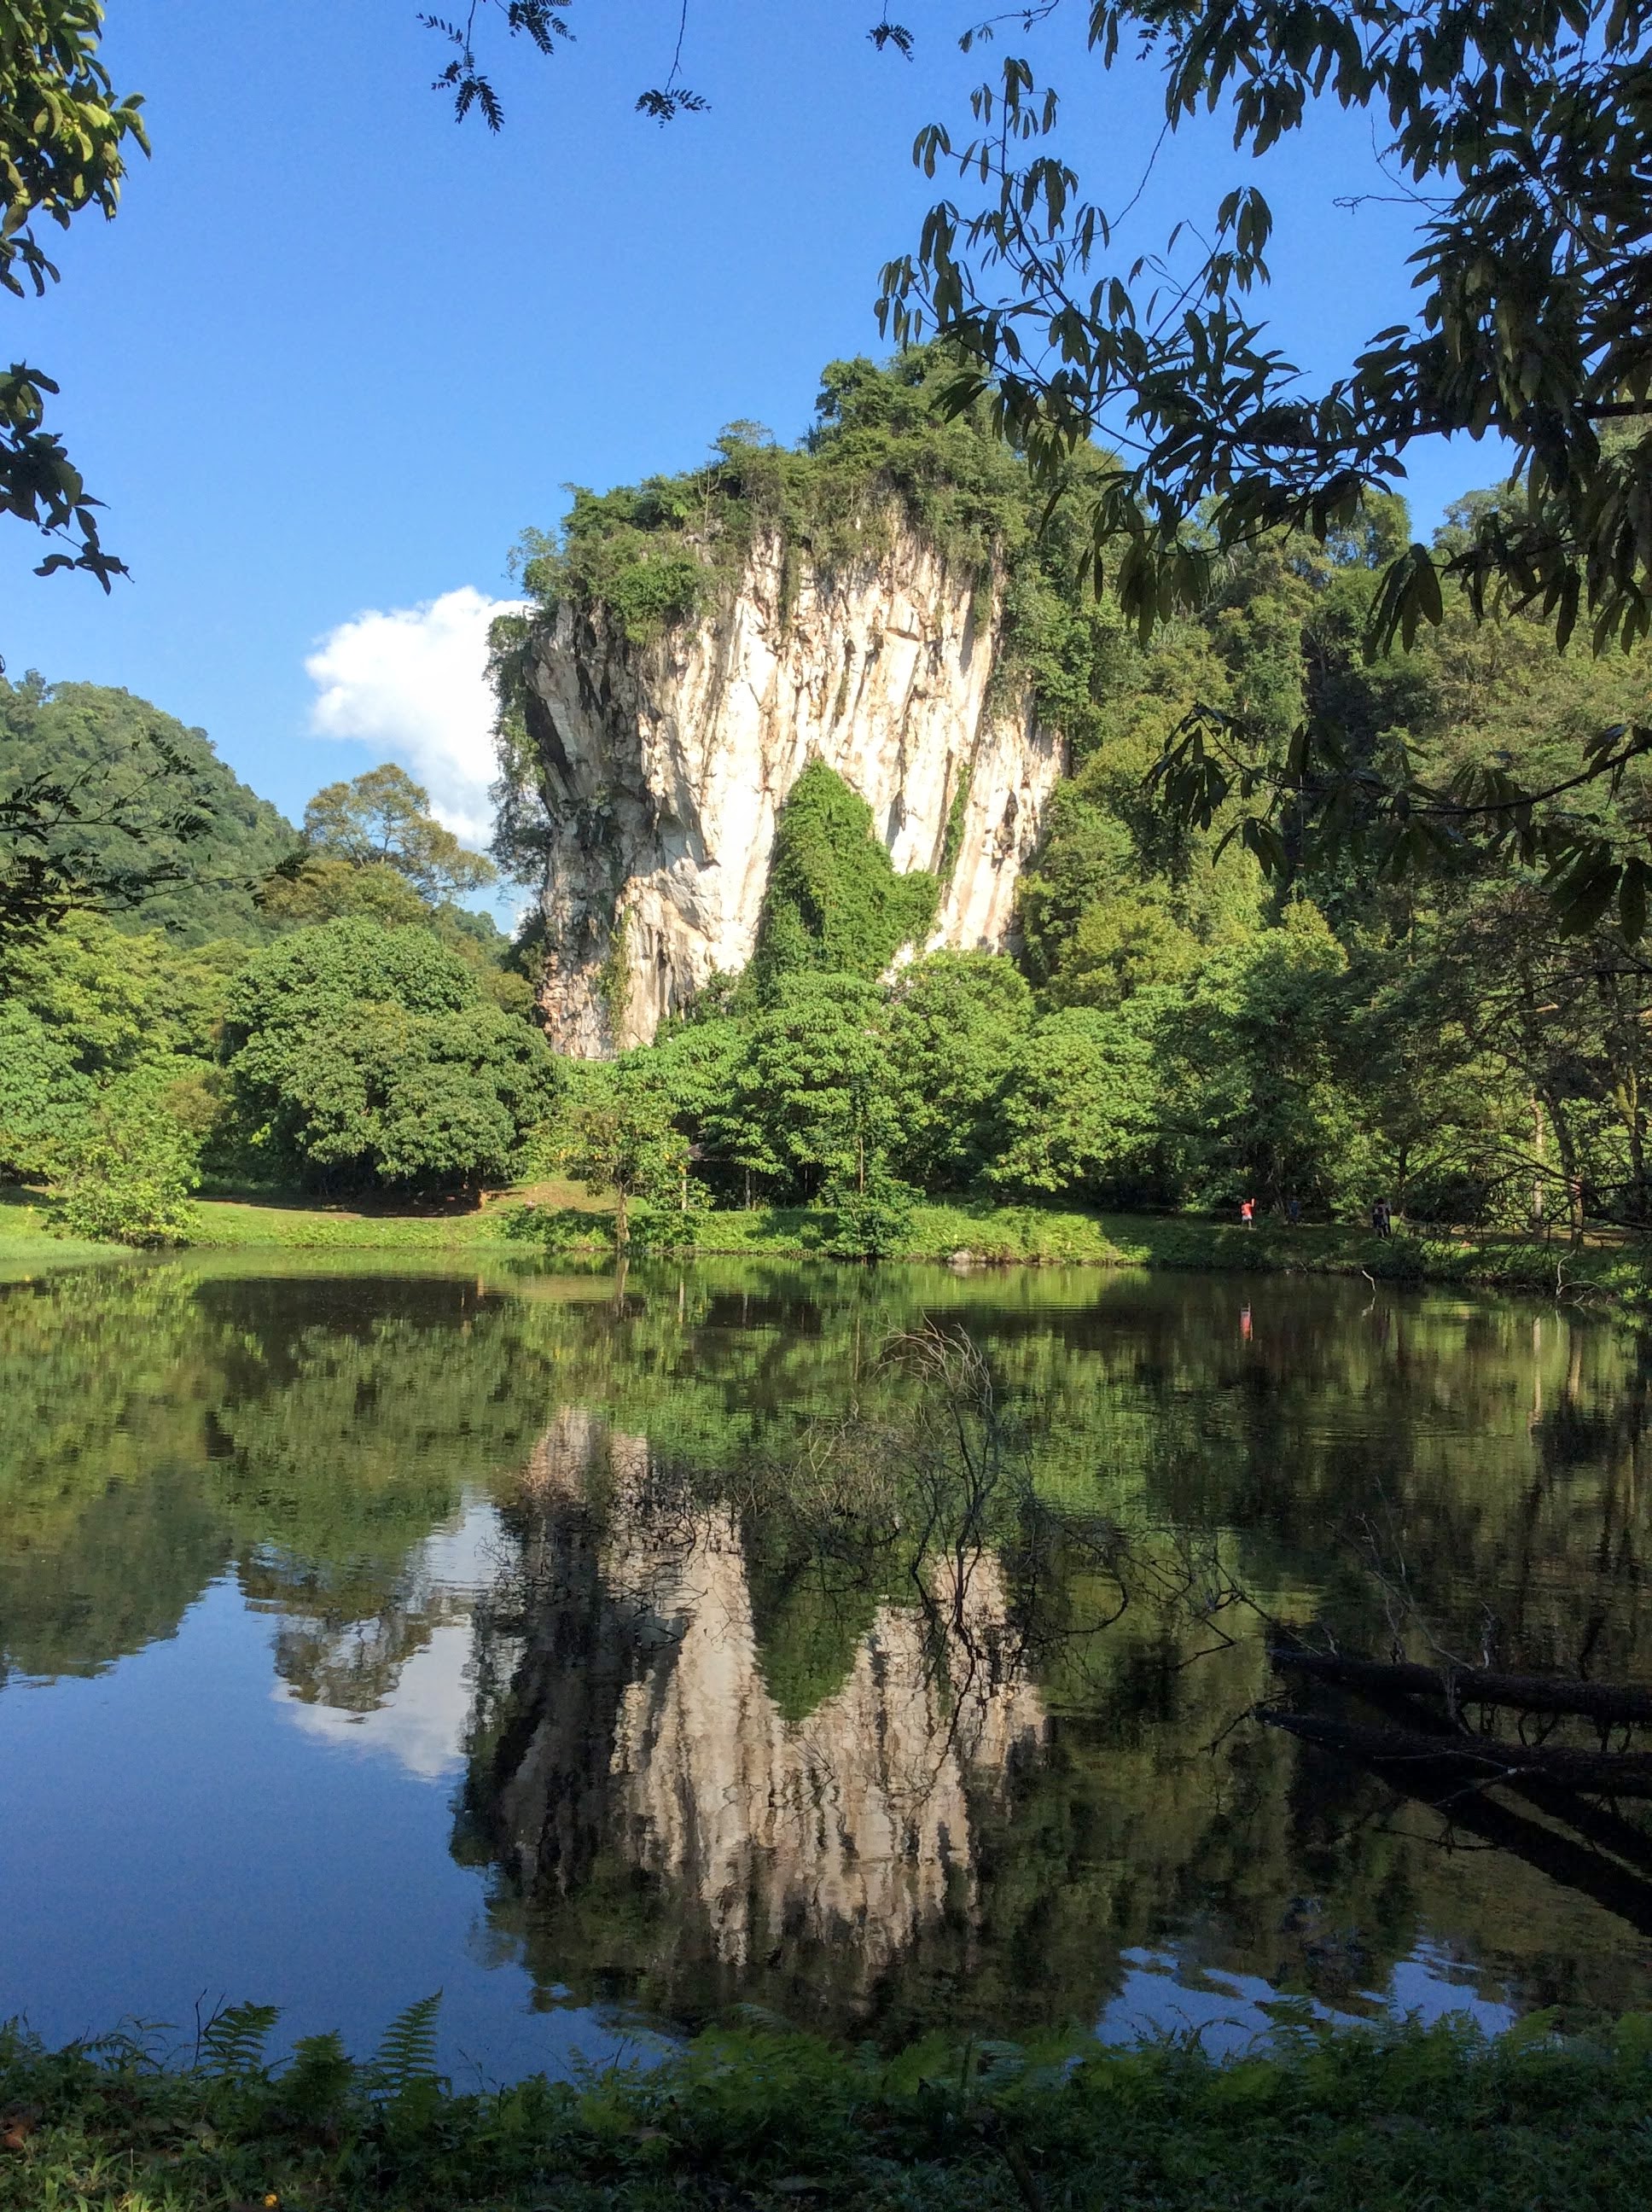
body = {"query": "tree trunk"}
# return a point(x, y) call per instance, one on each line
point(1537, 1148)
point(1465, 1760)
point(1571, 1173)
point(1612, 1703)
point(1629, 1104)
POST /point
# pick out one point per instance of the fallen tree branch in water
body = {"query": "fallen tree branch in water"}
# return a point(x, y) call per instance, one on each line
point(1469, 1761)
point(1574, 1865)
point(1606, 1702)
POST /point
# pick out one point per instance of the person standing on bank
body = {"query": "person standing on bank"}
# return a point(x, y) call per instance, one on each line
point(1248, 1212)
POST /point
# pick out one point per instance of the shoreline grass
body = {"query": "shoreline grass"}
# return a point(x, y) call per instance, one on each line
point(548, 1223)
point(28, 1243)
point(1351, 2122)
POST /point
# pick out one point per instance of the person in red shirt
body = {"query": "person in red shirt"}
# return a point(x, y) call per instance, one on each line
point(1248, 1212)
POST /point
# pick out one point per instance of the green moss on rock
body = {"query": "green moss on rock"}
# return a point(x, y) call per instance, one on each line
point(835, 902)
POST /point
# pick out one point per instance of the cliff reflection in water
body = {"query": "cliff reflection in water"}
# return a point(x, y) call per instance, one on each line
point(629, 1744)
point(720, 1737)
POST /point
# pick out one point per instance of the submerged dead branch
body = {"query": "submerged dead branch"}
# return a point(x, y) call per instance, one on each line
point(1469, 1761)
point(1610, 1704)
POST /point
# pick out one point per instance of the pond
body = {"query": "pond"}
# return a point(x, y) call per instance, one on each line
point(886, 1649)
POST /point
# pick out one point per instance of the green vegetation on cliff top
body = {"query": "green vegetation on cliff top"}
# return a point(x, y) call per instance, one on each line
point(882, 453)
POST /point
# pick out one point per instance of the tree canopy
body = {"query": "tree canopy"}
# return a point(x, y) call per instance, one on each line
point(1520, 131)
point(1520, 134)
point(106, 801)
point(362, 1055)
point(385, 1039)
point(382, 819)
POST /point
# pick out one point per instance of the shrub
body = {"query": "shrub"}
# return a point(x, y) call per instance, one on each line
point(116, 1196)
point(555, 1229)
point(131, 1175)
point(873, 1224)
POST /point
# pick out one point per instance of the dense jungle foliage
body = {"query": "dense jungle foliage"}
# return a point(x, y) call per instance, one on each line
point(1176, 1027)
point(96, 762)
point(306, 1011)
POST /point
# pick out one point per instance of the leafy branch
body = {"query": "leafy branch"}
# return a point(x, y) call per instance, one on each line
point(1525, 132)
point(53, 857)
point(63, 142)
point(471, 87)
point(673, 98)
point(1405, 822)
point(464, 76)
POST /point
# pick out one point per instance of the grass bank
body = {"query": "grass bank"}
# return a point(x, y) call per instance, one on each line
point(555, 1220)
point(971, 1231)
point(1346, 2125)
point(27, 1243)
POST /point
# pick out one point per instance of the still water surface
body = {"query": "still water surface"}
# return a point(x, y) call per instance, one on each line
point(610, 1655)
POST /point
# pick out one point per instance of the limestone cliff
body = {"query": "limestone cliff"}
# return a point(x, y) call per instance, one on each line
point(660, 769)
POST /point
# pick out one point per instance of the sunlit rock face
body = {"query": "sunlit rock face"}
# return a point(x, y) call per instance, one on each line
point(662, 769)
point(642, 1725)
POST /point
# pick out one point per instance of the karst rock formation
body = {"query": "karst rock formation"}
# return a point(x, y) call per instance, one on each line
point(661, 769)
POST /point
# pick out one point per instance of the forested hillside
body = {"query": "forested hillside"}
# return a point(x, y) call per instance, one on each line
point(84, 733)
point(281, 1010)
point(1177, 1027)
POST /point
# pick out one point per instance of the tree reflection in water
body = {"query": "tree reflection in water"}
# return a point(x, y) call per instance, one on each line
point(1038, 1754)
point(759, 1709)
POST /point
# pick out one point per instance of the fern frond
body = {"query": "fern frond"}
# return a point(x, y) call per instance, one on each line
point(233, 2040)
point(407, 2053)
point(320, 2077)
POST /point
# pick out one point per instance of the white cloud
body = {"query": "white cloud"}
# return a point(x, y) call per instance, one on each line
point(422, 1723)
point(411, 684)
point(422, 1718)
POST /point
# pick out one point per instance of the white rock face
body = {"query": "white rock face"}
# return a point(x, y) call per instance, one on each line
point(665, 768)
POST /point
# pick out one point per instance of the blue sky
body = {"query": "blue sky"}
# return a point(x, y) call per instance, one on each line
point(335, 353)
